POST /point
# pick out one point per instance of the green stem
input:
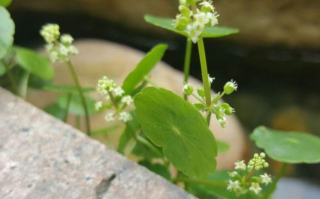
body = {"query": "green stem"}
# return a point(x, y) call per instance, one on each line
point(84, 104)
point(11, 78)
point(23, 88)
point(78, 122)
point(197, 97)
point(276, 180)
point(187, 60)
point(66, 113)
point(199, 181)
point(147, 79)
point(149, 145)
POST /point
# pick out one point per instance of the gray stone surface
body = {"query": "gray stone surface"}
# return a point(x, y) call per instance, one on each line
point(42, 158)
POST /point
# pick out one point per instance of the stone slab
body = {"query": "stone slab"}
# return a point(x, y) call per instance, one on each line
point(43, 158)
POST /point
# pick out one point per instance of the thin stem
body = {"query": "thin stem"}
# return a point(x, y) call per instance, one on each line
point(249, 176)
point(204, 71)
point(11, 78)
point(208, 117)
point(149, 145)
point(84, 104)
point(23, 88)
point(113, 101)
point(197, 97)
point(199, 181)
point(151, 82)
point(66, 113)
point(187, 60)
point(78, 122)
point(276, 180)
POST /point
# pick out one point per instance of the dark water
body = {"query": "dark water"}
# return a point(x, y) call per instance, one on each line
point(278, 87)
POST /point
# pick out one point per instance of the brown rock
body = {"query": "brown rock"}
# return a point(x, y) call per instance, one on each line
point(98, 58)
point(43, 158)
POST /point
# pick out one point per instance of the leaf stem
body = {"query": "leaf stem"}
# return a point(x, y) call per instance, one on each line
point(187, 60)
point(151, 82)
point(199, 181)
point(84, 104)
point(276, 180)
point(66, 113)
point(205, 76)
point(11, 78)
point(23, 87)
point(149, 145)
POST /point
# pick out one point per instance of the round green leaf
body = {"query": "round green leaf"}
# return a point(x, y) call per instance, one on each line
point(34, 63)
point(174, 124)
point(209, 32)
point(143, 68)
point(5, 3)
point(75, 107)
point(6, 31)
point(289, 147)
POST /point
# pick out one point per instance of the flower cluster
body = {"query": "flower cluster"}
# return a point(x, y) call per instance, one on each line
point(194, 22)
point(116, 100)
point(59, 47)
point(244, 178)
point(220, 110)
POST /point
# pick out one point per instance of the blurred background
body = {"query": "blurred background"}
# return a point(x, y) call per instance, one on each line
point(275, 58)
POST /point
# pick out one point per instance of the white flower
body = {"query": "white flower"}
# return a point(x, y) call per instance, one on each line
point(50, 32)
point(240, 165)
point(201, 19)
point(66, 39)
point(211, 78)
point(118, 91)
point(193, 33)
point(233, 185)
point(213, 18)
point(233, 174)
point(266, 179)
point(223, 122)
point(63, 50)
point(109, 117)
point(207, 4)
point(255, 187)
point(98, 105)
point(124, 116)
point(54, 56)
point(105, 85)
point(72, 50)
point(127, 100)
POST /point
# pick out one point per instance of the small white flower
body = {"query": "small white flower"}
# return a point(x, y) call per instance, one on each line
point(124, 116)
point(207, 4)
point(72, 50)
point(240, 165)
point(105, 85)
point(211, 78)
point(127, 100)
point(98, 105)
point(50, 32)
point(266, 179)
point(234, 185)
point(255, 187)
point(63, 50)
point(54, 56)
point(201, 18)
point(223, 122)
point(66, 39)
point(109, 117)
point(233, 174)
point(213, 18)
point(193, 33)
point(118, 91)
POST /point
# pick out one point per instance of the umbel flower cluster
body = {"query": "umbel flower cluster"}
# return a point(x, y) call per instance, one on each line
point(59, 47)
point(220, 110)
point(244, 178)
point(116, 100)
point(193, 21)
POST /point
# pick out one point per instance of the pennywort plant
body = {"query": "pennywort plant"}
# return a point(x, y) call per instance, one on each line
point(163, 130)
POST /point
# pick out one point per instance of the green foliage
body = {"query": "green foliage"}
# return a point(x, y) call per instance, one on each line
point(159, 169)
point(174, 124)
point(2, 69)
point(222, 147)
point(5, 3)
point(76, 107)
point(104, 131)
point(56, 111)
point(143, 150)
point(143, 68)
point(66, 89)
point(7, 29)
point(34, 63)
point(289, 147)
point(209, 32)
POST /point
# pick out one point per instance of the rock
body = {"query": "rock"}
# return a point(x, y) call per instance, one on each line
point(98, 58)
point(43, 158)
point(292, 23)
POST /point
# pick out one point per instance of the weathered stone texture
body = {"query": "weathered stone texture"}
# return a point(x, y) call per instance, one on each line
point(43, 158)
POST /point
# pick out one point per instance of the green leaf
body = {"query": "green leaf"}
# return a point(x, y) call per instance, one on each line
point(55, 110)
point(209, 32)
point(217, 188)
point(66, 89)
point(6, 31)
point(289, 147)
point(5, 3)
point(76, 107)
point(222, 147)
point(143, 151)
point(34, 63)
point(174, 124)
point(159, 169)
point(143, 68)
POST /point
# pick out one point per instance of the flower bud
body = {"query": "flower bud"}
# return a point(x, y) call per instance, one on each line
point(187, 89)
point(228, 109)
point(201, 92)
point(263, 155)
point(182, 22)
point(185, 11)
point(266, 164)
point(230, 87)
